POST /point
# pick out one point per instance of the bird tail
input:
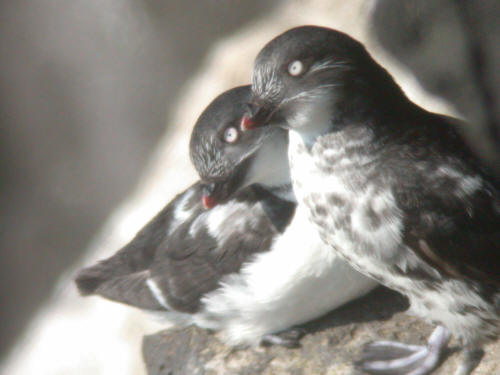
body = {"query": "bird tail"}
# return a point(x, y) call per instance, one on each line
point(107, 280)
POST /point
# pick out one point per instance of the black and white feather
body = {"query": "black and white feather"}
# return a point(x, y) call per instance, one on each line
point(390, 187)
point(185, 250)
point(246, 266)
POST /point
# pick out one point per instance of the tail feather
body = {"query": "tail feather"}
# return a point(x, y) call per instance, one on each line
point(131, 289)
point(88, 280)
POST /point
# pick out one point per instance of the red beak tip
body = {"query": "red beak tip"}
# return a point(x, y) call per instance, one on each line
point(208, 202)
point(247, 123)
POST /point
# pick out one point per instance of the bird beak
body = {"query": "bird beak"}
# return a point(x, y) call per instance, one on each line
point(209, 195)
point(208, 202)
point(255, 116)
point(221, 188)
point(214, 193)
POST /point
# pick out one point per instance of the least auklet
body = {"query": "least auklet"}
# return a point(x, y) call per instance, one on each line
point(246, 266)
point(392, 188)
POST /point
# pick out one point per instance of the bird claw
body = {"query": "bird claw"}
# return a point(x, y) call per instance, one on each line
point(394, 358)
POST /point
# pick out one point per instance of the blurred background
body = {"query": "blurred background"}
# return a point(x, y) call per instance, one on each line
point(86, 88)
point(97, 101)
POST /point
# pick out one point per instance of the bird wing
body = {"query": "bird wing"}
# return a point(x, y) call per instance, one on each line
point(122, 277)
point(194, 259)
point(451, 206)
point(460, 240)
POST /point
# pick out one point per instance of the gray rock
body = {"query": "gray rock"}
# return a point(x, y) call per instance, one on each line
point(330, 344)
point(329, 347)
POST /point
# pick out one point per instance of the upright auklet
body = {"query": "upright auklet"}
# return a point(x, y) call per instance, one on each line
point(392, 188)
point(247, 267)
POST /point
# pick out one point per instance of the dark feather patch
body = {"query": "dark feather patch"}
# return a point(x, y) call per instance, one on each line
point(117, 277)
point(192, 263)
point(189, 262)
point(279, 211)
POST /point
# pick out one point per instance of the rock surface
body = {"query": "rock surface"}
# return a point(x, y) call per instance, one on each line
point(330, 345)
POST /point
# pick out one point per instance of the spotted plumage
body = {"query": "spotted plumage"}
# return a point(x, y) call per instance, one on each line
point(237, 268)
point(390, 187)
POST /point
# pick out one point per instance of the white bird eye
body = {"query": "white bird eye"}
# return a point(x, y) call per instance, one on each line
point(295, 68)
point(231, 135)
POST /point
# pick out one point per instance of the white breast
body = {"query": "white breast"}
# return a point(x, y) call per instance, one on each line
point(268, 294)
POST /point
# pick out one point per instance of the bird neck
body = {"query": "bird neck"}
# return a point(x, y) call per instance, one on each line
point(371, 95)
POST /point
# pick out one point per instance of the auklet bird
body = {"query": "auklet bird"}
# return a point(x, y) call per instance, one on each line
point(244, 267)
point(392, 188)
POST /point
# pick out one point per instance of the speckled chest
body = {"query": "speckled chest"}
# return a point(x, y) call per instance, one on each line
point(348, 199)
point(348, 192)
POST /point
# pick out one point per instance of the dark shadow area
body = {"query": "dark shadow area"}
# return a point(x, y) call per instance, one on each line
point(380, 304)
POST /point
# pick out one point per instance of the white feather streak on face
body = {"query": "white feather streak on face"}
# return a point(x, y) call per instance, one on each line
point(328, 65)
point(265, 83)
point(210, 160)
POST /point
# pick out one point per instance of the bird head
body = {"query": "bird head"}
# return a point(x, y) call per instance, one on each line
point(228, 159)
point(310, 77)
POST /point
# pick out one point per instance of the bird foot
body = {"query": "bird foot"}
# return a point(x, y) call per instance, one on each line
point(394, 358)
point(289, 338)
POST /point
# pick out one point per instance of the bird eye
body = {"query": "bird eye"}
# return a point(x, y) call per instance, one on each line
point(295, 68)
point(231, 135)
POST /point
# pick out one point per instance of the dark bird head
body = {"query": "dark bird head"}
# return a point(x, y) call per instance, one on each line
point(228, 159)
point(311, 77)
